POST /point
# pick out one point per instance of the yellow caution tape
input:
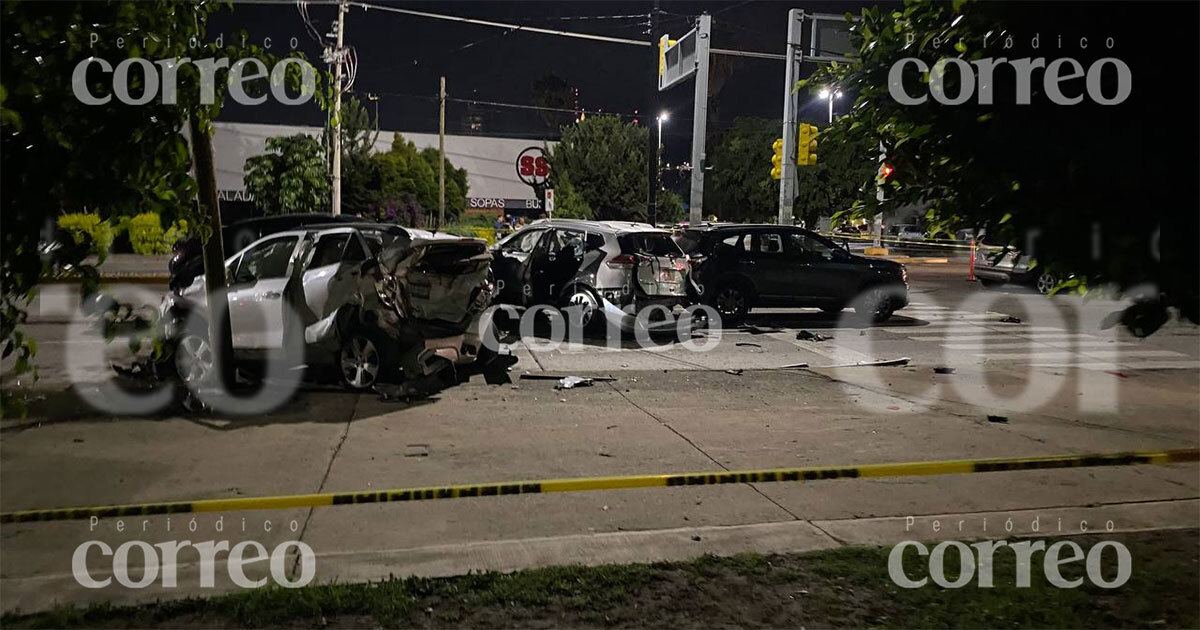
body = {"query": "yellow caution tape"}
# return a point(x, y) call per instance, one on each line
point(587, 484)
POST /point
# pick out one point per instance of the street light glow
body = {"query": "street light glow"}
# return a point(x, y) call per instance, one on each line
point(824, 93)
point(663, 117)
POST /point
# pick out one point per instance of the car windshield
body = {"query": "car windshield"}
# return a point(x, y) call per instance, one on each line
point(651, 244)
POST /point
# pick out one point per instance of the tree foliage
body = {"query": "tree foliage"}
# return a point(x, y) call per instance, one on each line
point(739, 186)
point(605, 160)
point(1093, 191)
point(291, 177)
point(61, 155)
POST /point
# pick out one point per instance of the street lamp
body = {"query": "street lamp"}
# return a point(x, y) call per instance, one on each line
point(831, 96)
point(661, 118)
point(658, 158)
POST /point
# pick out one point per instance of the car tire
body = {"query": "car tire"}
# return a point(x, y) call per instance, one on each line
point(874, 305)
point(732, 301)
point(194, 359)
point(364, 360)
point(586, 297)
point(1045, 283)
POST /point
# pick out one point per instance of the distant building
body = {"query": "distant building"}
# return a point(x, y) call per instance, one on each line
point(492, 182)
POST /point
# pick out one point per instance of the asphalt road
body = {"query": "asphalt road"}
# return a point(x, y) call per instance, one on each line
point(1053, 383)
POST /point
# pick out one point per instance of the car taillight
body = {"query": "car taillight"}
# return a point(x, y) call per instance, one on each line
point(621, 261)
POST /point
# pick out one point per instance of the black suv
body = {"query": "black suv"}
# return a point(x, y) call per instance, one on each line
point(738, 267)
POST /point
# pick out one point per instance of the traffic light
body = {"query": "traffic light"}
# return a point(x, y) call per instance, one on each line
point(777, 159)
point(806, 145)
point(885, 171)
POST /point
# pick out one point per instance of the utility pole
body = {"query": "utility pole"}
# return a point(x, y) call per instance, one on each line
point(337, 110)
point(442, 155)
point(787, 181)
point(219, 330)
point(699, 120)
point(652, 107)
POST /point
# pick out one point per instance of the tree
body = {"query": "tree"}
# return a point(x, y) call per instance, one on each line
point(1084, 189)
point(359, 133)
point(844, 174)
point(605, 161)
point(740, 187)
point(62, 155)
point(456, 183)
point(291, 177)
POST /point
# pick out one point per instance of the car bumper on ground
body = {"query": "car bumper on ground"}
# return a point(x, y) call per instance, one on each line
point(653, 315)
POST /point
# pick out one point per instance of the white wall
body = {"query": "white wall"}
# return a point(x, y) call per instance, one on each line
point(490, 162)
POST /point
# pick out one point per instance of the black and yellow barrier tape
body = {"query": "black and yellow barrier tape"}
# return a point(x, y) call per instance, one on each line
point(587, 484)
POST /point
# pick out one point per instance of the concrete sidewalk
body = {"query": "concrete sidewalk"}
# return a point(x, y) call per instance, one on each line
point(648, 421)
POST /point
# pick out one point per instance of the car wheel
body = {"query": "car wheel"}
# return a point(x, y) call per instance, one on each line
point(360, 361)
point(194, 359)
point(732, 302)
point(1045, 283)
point(874, 305)
point(584, 299)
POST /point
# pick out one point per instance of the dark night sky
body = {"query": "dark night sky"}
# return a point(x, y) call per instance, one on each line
point(402, 56)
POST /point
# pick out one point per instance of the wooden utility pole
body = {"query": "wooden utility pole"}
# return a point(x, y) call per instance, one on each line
point(442, 154)
point(214, 252)
point(337, 112)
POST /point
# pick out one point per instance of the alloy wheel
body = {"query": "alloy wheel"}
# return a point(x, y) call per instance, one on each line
point(194, 360)
point(730, 301)
point(1046, 283)
point(360, 362)
point(587, 303)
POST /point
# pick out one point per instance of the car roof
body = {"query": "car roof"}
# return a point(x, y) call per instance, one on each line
point(729, 227)
point(616, 227)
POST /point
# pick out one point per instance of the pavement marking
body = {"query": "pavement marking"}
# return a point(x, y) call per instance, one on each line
point(588, 484)
point(1193, 364)
point(1038, 354)
point(1027, 344)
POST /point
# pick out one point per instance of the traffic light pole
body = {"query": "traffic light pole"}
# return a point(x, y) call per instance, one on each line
point(652, 109)
point(787, 181)
point(699, 120)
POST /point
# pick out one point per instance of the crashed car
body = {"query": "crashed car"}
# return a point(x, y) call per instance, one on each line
point(610, 270)
point(383, 304)
point(1005, 265)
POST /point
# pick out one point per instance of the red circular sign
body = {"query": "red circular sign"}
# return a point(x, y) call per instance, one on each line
point(532, 166)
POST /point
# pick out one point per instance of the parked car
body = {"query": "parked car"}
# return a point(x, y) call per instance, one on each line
point(610, 269)
point(1002, 266)
point(906, 232)
point(739, 267)
point(380, 302)
point(187, 255)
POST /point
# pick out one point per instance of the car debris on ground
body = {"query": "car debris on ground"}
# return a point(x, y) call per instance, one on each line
point(748, 344)
point(943, 370)
point(532, 376)
point(805, 335)
point(998, 419)
point(735, 372)
point(1010, 319)
point(571, 382)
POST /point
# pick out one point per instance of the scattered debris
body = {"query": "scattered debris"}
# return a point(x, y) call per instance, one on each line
point(999, 419)
point(417, 450)
point(603, 454)
point(759, 330)
point(1116, 373)
point(1010, 319)
point(696, 538)
point(793, 366)
point(943, 370)
point(737, 372)
point(805, 335)
point(894, 407)
point(611, 426)
point(571, 382)
point(748, 344)
point(883, 363)
point(529, 376)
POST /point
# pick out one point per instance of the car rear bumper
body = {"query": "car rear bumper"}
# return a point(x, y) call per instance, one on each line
point(650, 314)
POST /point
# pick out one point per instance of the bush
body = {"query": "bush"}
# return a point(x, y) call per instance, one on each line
point(486, 233)
point(88, 227)
point(146, 234)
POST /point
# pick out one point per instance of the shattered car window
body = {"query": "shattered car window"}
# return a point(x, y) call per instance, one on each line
point(652, 244)
point(329, 250)
point(267, 260)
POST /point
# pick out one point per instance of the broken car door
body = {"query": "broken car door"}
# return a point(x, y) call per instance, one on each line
point(510, 265)
point(256, 294)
